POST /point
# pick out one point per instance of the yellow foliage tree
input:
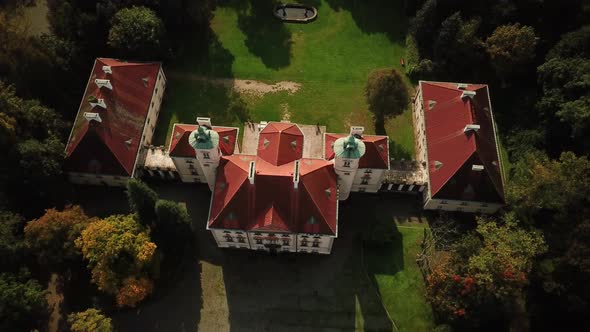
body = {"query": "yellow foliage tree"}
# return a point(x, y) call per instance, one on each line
point(134, 290)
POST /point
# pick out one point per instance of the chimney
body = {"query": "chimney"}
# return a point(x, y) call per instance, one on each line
point(107, 69)
point(296, 175)
point(206, 122)
point(252, 172)
point(103, 83)
point(469, 94)
point(471, 127)
point(477, 168)
point(92, 116)
point(357, 131)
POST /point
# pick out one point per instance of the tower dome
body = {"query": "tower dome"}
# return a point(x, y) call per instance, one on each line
point(203, 139)
point(349, 148)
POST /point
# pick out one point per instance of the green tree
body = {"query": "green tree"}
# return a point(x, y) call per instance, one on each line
point(137, 32)
point(510, 47)
point(457, 48)
point(91, 320)
point(52, 237)
point(566, 87)
point(22, 302)
point(172, 232)
point(387, 94)
point(142, 200)
point(116, 248)
point(11, 241)
point(423, 25)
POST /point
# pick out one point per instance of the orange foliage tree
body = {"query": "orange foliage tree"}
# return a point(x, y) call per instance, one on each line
point(134, 290)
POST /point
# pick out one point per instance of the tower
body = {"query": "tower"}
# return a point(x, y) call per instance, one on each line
point(347, 153)
point(205, 141)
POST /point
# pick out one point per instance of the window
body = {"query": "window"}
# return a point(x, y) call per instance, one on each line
point(346, 163)
point(206, 155)
point(148, 121)
point(156, 93)
point(464, 203)
point(257, 233)
point(152, 104)
point(258, 241)
point(241, 239)
point(191, 166)
point(228, 238)
point(316, 243)
point(286, 242)
point(365, 181)
point(444, 202)
point(194, 172)
point(346, 173)
point(304, 243)
point(189, 161)
point(368, 171)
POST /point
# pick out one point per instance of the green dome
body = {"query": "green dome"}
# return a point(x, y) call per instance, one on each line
point(349, 148)
point(203, 139)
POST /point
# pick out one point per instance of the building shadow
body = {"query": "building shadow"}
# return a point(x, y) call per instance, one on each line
point(398, 152)
point(376, 16)
point(266, 37)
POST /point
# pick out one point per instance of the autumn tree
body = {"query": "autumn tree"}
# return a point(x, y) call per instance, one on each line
point(487, 272)
point(52, 237)
point(137, 32)
point(117, 248)
point(387, 94)
point(510, 47)
point(91, 320)
point(133, 291)
point(142, 200)
point(22, 302)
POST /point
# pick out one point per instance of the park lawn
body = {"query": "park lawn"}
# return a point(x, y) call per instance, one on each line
point(330, 58)
point(400, 281)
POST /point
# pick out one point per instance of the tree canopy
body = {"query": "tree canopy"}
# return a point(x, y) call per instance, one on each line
point(142, 200)
point(117, 248)
point(22, 302)
point(511, 46)
point(91, 320)
point(387, 94)
point(52, 237)
point(137, 32)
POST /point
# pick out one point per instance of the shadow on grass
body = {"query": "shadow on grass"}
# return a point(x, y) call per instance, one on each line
point(376, 16)
point(266, 37)
point(398, 151)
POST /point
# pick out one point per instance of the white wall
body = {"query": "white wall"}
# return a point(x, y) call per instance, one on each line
point(186, 173)
point(289, 242)
point(154, 109)
point(98, 179)
point(461, 206)
point(373, 184)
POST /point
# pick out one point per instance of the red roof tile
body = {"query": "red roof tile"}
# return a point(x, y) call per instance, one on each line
point(280, 143)
point(122, 123)
point(272, 203)
point(376, 154)
point(452, 152)
point(179, 146)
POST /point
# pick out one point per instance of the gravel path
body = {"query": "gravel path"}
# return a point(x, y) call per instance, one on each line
point(243, 86)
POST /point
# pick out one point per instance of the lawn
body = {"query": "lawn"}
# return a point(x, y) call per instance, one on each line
point(400, 282)
point(330, 59)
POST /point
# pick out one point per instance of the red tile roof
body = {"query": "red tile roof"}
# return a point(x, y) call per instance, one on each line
point(452, 152)
point(376, 154)
point(280, 143)
point(179, 146)
point(272, 203)
point(111, 146)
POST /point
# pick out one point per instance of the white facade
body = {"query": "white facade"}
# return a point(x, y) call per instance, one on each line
point(154, 109)
point(281, 242)
point(460, 206)
point(346, 169)
point(189, 169)
point(368, 180)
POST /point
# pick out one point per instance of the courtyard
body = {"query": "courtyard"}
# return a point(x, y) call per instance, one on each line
point(234, 290)
point(258, 68)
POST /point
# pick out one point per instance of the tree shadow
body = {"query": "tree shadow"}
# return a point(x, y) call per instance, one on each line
point(397, 151)
point(376, 16)
point(266, 37)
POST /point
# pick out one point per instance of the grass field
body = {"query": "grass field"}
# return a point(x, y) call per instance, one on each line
point(400, 282)
point(330, 58)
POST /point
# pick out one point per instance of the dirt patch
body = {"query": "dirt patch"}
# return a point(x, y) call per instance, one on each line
point(54, 299)
point(252, 87)
point(285, 114)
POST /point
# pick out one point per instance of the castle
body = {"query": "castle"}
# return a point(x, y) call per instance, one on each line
point(280, 191)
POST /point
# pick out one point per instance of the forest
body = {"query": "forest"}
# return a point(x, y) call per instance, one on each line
point(531, 260)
